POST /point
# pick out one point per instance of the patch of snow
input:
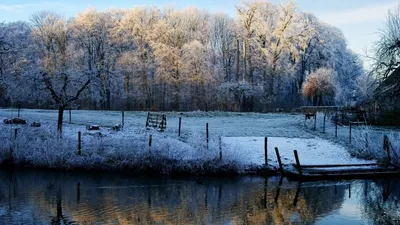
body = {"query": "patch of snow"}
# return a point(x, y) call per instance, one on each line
point(311, 151)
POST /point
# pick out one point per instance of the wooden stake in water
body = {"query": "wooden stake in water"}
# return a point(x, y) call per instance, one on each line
point(278, 156)
point(79, 143)
point(266, 151)
point(78, 192)
point(298, 162)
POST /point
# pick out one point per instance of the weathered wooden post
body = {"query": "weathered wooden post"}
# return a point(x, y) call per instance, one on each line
point(79, 143)
point(163, 119)
point(19, 108)
point(15, 133)
point(147, 119)
point(278, 156)
point(350, 132)
point(349, 190)
point(366, 140)
point(298, 162)
point(220, 147)
point(70, 117)
point(386, 147)
point(78, 192)
point(324, 123)
point(296, 197)
point(123, 118)
point(266, 151)
point(336, 122)
point(150, 140)
point(315, 121)
point(179, 128)
point(207, 133)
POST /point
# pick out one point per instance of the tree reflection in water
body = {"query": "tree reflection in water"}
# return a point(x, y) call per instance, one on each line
point(380, 201)
point(29, 197)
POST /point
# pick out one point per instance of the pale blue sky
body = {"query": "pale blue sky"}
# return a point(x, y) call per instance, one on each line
point(359, 20)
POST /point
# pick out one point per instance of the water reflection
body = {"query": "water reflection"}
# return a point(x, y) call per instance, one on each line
point(44, 197)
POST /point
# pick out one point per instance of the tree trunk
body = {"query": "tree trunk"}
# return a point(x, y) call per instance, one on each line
point(244, 61)
point(127, 92)
point(320, 101)
point(60, 119)
point(237, 61)
point(251, 79)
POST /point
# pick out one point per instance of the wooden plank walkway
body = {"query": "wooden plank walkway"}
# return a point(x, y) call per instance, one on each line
point(339, 171)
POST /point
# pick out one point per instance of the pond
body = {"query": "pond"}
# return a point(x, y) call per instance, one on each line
point(54, 197)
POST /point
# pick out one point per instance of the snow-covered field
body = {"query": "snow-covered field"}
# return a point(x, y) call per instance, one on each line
point(242, 142)
point(310, 151)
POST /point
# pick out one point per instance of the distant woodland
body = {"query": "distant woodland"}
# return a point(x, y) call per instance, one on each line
point(146, 58)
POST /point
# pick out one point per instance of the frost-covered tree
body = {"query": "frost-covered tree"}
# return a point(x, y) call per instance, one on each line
point(90, 31)
point(197, 71)
point(318, 85)
point(59, 68)
point(277, 37)
point(223, 44)
point(146, 58)
point(137, 59)
point(16, 62)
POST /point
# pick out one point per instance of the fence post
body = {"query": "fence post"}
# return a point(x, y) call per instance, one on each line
point(19, 108)
point(298, 162)
point(70, 119)
point(163, 118)
point(266, 151)
point(150, 140)
point(207, 133)
point(278, 156)
point(220, 147)
point(315, 121)
point(79, 143)
point(350, 133)
point(147, 120)
point(386, 147)
point(324, 123)
point(15, 133)
point(123, 118)
point(179, 129)
point(366, 140)
point(336, 122)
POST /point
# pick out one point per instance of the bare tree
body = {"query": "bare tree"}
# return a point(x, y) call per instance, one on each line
point(387, 48)
point(58, 64)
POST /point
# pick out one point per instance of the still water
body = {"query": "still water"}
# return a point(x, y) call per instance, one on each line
point(48, 197)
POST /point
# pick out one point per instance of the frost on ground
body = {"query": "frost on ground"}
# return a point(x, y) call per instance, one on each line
point(366, 141)
point(311, 151)
point(242, 148)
